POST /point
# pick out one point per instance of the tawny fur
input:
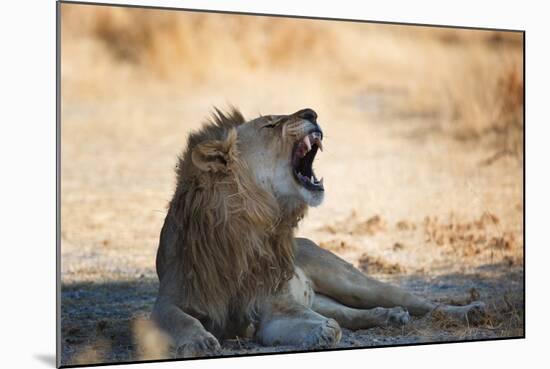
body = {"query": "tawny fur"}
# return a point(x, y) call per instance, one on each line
point(227, 255)
point(234, 242)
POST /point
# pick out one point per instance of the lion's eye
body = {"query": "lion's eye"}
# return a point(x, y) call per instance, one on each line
point(271, 124)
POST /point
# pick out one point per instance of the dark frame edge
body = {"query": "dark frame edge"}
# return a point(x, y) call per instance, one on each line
point(76, 2)
point(524, 190)
point(58, 183)
point(338, 349)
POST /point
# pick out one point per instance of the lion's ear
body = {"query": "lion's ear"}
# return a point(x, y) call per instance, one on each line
point(215, 155)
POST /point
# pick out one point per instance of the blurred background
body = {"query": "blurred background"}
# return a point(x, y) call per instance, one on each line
point(423, 160)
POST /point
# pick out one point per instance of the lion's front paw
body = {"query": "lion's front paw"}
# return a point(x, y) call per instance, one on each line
point(327, 334)
point(204, 344)
point(398, 316)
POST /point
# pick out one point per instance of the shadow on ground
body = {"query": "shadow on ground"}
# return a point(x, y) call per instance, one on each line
point(97, 318)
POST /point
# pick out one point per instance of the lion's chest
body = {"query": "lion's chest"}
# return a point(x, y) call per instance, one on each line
point(300, 288)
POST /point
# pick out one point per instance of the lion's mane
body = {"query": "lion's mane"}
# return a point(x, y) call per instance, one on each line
point(234, 242)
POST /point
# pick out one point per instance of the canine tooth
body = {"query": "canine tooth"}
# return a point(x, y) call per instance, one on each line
point(319, 144)
point(307, 142)
point(312, 180)
point(316, 138)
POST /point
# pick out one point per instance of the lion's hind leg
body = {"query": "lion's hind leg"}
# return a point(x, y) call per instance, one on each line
point(352, 318)
point(333, 277)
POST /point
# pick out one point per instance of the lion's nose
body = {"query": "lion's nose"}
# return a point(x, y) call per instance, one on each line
point(307, 114)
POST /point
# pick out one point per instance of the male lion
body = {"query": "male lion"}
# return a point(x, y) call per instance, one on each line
point(228, 262)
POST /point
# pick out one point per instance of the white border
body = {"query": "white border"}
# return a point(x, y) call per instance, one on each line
point(27, 236)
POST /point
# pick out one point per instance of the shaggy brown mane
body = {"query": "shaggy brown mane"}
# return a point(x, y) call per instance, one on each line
point(234, 242)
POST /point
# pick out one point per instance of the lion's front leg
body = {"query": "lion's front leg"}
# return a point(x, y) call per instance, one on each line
point(189, 337)
point(287, 319)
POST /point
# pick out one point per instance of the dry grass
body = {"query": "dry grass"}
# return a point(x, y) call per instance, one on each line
point(377, 265)
point(472, 237)
point(95, 352)
point(423, 161)
point(493, 112)
point(152, 343)
point(352, 225)
point(469, 81)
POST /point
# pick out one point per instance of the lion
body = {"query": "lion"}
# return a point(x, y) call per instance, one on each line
point(228, 261)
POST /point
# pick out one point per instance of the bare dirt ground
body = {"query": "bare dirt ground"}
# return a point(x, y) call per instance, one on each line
point(423, 162)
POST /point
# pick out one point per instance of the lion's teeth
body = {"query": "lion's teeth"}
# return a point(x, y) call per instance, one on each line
point(316, 138)
point(307, 142)
point(311, 180)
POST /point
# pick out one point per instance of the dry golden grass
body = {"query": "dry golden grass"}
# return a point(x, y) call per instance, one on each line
point(93, 353)
point(423, 163)
point(352, 225)
point(465, 83)
point(152, 343)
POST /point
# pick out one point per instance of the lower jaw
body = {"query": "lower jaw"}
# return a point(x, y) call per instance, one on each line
point(313, 198)
point(307, 186)
point(311, 188)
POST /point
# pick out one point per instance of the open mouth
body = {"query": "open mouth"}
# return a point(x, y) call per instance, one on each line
point(303, 154)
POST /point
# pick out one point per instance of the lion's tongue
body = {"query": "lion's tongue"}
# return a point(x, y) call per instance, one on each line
point(301, 150)
point(304, 147)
